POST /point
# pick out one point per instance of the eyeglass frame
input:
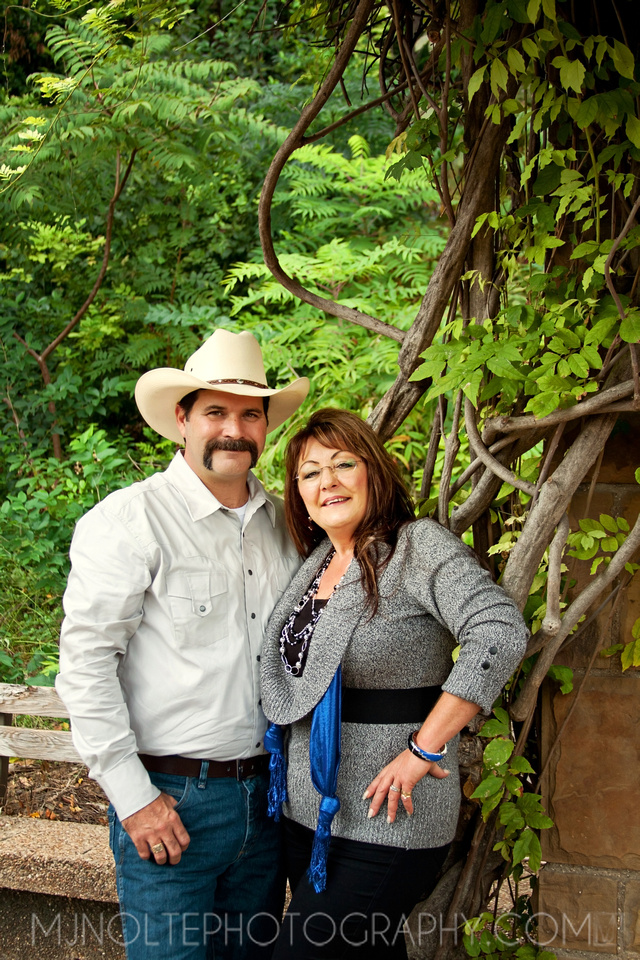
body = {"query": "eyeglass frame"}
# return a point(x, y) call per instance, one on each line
point(331, 467)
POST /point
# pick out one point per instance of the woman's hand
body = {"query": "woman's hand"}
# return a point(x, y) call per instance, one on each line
point(396, 781)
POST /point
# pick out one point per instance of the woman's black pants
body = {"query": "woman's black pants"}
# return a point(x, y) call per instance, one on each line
point(371, 890)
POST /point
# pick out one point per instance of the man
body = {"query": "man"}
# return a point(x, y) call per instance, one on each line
point(172, 582)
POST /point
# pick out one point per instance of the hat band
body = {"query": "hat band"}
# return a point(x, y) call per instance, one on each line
point(249, 383)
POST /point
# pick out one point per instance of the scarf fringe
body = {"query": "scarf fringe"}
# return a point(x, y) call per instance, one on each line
point(317, 871)
point(277, 793)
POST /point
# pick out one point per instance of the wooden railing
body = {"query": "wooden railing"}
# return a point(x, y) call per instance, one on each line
point(25, 741)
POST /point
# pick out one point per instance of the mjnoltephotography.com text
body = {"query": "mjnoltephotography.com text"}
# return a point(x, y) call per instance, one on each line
point(355, 929)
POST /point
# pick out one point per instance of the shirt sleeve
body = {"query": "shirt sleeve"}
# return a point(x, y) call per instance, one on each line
point(103, 606)
point(446, 578)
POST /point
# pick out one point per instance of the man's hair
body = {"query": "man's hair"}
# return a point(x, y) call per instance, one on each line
point(187, 402)
point(389, 505)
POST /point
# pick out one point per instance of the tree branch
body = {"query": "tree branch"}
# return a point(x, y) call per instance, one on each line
point(595, 404)
point(292, 143)
point(451, 447)
point(489, 461)
point(578, 608)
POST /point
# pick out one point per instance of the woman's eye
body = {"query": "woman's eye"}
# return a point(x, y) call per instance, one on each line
point(345, 465)
point(311, 475)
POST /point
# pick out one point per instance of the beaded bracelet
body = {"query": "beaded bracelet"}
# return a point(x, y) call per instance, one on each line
point(418, 752)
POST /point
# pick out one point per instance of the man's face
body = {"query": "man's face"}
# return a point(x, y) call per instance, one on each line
point(224, 435)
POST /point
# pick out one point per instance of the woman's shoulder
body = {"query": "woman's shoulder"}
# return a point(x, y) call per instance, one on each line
point(427, 532)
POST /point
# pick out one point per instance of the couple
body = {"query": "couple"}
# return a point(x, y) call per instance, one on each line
point(189, 617)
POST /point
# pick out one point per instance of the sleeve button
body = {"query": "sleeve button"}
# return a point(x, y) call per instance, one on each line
point(493, 650)
point(486, 665)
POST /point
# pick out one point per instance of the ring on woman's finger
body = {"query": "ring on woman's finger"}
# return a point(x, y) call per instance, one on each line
point(394, 788)
point(405, 796)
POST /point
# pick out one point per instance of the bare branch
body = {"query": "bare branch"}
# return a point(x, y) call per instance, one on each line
point(578, 609)
point(292, 143)
point(432, 454)
point(595, 404)
point(552, 503)
point(552, 619)
point(489, 461)
point(451, 447)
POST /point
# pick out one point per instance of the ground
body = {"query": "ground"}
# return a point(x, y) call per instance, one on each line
point(55, 791)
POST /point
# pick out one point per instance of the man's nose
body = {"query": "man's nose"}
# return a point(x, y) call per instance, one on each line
point(232, 426)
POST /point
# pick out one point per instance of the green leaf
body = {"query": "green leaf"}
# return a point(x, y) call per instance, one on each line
point(528, 845)
point(587, 112)
point(531, 47)
point(572, 74)
point(623, 60)
point(515, 61)
point(632, 129)
point(630, 327)
point(489, 787)
point(510, 816)
point(591, 356)
point(495, 22)
point(549, 9)
point(497, 752)
point(608, 523)
point(475, 82)
point(564, 676)
point(631, 655)
point(499, 76)
point(520, 764)
point(609, 544)
point(533, 10)
point(579, 365)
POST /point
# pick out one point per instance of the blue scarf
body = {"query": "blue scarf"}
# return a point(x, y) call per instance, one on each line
point(324, 757)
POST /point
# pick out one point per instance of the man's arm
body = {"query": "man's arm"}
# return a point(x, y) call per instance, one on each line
point(103, 603)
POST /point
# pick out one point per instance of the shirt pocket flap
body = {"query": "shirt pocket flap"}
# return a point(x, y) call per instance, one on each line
point(196, 587)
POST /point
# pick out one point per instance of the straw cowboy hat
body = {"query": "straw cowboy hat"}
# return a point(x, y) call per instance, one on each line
point(229, 362)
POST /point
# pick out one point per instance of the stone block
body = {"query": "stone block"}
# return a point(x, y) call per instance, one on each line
point(70, 859)
point(631, 917)
point(577, 911)
point(590, 789)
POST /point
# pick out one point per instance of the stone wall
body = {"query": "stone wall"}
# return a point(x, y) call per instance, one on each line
point(589, 889)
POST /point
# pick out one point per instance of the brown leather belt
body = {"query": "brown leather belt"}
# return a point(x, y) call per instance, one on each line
point(188, 767)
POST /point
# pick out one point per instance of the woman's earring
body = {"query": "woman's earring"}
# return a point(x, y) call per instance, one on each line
point(310, 523)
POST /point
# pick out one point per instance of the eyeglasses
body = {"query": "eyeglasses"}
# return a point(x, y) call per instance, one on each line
point(311, 475)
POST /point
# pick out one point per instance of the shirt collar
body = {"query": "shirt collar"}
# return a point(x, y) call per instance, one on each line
point(201, 502)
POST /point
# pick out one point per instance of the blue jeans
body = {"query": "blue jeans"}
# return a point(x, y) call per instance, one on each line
point(225, 897)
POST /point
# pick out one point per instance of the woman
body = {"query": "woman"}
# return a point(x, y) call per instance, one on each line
point(358, 653)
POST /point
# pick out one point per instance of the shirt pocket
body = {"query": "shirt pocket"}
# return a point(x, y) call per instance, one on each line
point(198, 597)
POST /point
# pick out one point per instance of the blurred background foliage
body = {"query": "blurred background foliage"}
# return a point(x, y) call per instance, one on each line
point(195, 104)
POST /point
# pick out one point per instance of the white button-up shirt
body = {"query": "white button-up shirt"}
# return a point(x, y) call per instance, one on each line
point(166, 606)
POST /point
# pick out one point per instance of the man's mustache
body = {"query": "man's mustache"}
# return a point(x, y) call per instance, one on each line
point(240, 445)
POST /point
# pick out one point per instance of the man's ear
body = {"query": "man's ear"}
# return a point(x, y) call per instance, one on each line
point(181, 419)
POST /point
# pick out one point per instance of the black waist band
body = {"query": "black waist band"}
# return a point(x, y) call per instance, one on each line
point(388, 706)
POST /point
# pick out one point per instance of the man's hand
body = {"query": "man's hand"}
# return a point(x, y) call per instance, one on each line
point(158, 825)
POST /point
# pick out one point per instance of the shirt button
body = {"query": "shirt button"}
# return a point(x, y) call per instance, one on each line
point(258, 659)
point(253, 616)
point(202, 608)
point(258, 744)
point(250, 572)
point(260, 702)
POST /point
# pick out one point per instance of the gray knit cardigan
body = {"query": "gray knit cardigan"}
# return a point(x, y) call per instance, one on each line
point(433, 595)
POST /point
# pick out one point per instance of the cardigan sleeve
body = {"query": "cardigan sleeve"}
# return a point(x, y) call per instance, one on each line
point(443, 575)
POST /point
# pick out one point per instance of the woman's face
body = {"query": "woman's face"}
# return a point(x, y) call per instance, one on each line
point(334, 487)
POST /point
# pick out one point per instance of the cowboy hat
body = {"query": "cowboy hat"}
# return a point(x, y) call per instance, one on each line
point(229, 362)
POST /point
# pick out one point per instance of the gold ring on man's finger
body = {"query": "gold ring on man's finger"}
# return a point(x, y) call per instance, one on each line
point(157, 848)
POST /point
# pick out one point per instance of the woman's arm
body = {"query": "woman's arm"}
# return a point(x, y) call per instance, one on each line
point(447, 718)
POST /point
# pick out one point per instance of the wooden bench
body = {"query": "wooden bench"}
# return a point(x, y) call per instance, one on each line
point(42, 856)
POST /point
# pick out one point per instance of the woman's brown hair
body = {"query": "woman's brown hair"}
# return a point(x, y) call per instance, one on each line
point(389, 505)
